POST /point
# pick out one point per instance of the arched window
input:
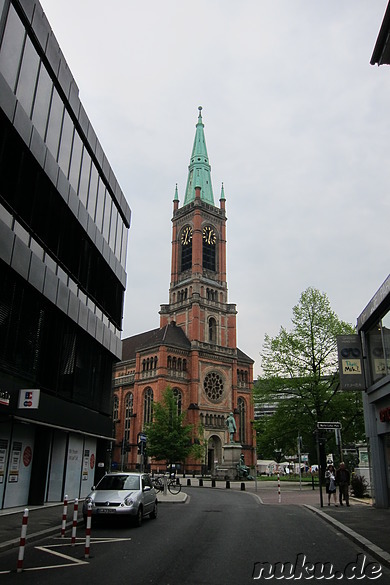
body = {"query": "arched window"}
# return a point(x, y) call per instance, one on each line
point(115, 408)
point(242, 420)
point(179, 400)
point(186, 249)
point(128, 414)
point(209, 248)
point(148, 406)
point(169, 363)
point(212, 330)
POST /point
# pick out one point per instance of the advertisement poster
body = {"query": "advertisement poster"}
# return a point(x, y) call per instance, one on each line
point(85, 464)
point(3, 458)
point(15, 462)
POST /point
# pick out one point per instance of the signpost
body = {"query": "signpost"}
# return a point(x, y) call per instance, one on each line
point(142, 448)
point(328, 426)
point(325, 426)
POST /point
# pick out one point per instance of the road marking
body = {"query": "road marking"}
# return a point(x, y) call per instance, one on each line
point(73, 562)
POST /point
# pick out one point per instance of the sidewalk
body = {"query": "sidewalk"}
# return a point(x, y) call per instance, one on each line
point(366, 525)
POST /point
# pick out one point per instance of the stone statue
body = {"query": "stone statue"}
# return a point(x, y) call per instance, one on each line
point(242, 469)
point(231, 425)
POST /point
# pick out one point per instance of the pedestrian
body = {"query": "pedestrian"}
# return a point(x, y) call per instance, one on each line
point(330, 483)
point(343, 480)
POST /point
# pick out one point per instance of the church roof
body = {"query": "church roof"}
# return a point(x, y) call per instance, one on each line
point(242, 357)
point(199, 170)
point(168, 335)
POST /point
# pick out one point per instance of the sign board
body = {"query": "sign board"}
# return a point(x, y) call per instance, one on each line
point(29, 399)
point(142, 437)
point(328, 426)
point(350, 362)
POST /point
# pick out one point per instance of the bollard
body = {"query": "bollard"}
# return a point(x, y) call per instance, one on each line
point(227, 484)
point(74, 525)
point(243, 486)
point(188, 481)
point(22, 542)
point(200, 482)
point(279, 494)
point(88, 532)
point(312, 481)
point(64, 516)
point(213, 483)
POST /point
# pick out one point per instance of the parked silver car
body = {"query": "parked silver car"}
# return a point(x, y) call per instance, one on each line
point(123, 494)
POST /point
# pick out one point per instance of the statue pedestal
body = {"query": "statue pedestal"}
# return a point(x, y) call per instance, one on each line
point(231, 457)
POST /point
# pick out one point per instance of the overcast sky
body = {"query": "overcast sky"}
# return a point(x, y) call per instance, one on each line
point(297, 128)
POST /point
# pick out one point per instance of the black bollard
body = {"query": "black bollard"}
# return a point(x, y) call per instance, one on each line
point(312, 481)
point(227, 484)
point(213, 483)
point(200, 482)
point(188, 481)
point(243, 486)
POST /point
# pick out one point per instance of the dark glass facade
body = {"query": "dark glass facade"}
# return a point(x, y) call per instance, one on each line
point(63, 238)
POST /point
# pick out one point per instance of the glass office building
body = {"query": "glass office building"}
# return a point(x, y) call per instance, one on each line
point(63, 236)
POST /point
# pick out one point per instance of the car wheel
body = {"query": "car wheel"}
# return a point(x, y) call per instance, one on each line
point(138, 517)
point(153, 513)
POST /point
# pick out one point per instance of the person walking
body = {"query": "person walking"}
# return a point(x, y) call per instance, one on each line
point(343, 480)
point(330, 483)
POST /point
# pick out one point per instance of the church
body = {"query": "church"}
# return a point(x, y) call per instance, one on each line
point(194, 350)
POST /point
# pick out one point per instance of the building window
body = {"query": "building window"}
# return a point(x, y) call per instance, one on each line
point(115, 408)
point(213, 387)
point(179, 400)
point(212, 330)
point(148, 406)
point(242, 420)
point(128, 414)
point(209, 248)
point(186, 248)
point(378, 338)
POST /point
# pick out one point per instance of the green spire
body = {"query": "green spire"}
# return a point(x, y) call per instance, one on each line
point(176, 197)
point(222, 192)
point(199, 170)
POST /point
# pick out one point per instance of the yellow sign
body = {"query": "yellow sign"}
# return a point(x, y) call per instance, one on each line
point(352, 366)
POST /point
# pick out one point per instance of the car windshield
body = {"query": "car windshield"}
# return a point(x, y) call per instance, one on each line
point(119, 482)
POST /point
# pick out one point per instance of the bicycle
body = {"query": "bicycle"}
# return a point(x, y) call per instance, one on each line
point(173, 485)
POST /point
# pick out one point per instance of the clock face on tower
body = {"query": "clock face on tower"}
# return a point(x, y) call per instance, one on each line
point(186, 236)
point(209, 235)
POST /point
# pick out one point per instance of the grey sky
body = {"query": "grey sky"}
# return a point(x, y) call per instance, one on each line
point(296, 124)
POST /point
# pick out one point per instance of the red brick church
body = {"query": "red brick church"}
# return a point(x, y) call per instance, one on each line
point(194, 351)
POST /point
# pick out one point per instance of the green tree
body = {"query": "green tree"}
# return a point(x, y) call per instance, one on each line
point(301, 380)
point(168, 438)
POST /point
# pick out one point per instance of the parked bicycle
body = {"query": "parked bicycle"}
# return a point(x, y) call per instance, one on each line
point(173, 485)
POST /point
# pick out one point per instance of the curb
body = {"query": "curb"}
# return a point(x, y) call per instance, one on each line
point(374, 550)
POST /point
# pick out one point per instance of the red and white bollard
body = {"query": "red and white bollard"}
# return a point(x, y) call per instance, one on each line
point(64, 516)
point(88, 532)
point(22, 542)
point(279, 494)
point(74, 524)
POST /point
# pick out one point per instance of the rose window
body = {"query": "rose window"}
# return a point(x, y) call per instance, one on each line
point(213, 387)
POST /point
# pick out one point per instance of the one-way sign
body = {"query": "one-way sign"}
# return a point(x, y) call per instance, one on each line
point(328, 425)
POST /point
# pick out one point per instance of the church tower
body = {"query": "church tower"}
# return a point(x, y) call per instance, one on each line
point(198, 289)
point(194, 351)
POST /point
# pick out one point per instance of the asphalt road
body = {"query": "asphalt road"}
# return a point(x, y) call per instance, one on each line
point(219, 537)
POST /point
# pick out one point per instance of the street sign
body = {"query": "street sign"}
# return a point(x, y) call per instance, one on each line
point(328, 426)
point(142, 437)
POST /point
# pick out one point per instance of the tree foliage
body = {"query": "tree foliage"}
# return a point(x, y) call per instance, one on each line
point(168, 438)
point(301, 379)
